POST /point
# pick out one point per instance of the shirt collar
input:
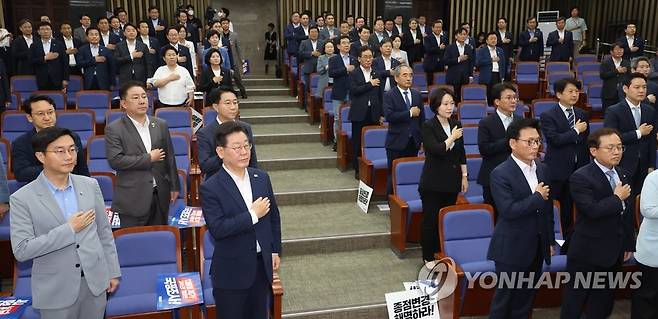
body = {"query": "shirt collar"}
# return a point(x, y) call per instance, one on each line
point(603, 168)
point(564, 108)
point(365, 71)
point(53, 188)
point(502, 116)
point(525, 167)
point(137, 124)
point(633, 106)
point(237, 179)
point(404, 90)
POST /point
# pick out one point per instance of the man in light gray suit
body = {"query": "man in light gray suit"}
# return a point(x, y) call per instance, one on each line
point(230, 40)
point(58, 221)
point(80, 32)
point(329, 32)
point(644, 297)
point(139, 148)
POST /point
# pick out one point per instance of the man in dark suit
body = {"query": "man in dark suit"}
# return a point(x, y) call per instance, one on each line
point(184, 57)
point(492, 63)
point(604, 235)
point(635, 121)
point(504, 38)
point(362, 40)
point(40, 110)
point(157, 26)
point(20, 49)
point(49, 59)
point(523, 237)
point(225, 102)
point(243, 218)
point(309, 51)
point(398, 27)
point(377, 36)
point(139, 149)
point(404, 112)
point(435, 44)
point(561, 43)
point(341, 66)
point(329, 32)
point(72, 45)
point(633, 44)
point(531, 42)
point(565, 128)
point(108, 38)
point(460, 58)
point(613, 70)
point(355, 34)
point(96, 61)
point(290, 34)
point(366, 106)
point(383, 65)
point(152, 43)
point(492, 138)
point(80, 32)
point(131, 57)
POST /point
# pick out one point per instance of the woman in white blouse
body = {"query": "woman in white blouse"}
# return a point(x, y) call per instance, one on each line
point(398, 54)
point(182, 33)
point(174, 83)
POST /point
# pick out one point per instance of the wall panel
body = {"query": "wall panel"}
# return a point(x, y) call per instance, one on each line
point(138, 9)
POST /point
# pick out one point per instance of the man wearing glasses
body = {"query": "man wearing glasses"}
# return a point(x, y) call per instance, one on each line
point(40, 110)
point(243, 218)
point(139, 148)
point(523, 238)
point(604, 234)
point(58, 223)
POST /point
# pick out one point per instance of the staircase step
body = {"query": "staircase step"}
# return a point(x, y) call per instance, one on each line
point(307, 180)
point(275, 119)
point(314, 197)
point(270, 111)
point(284, 128)
point(331, 282)
point(294, 151)
point(268, 91)
point(286, 138)
point(254, 102)
point(297, 163)
point(254, 81)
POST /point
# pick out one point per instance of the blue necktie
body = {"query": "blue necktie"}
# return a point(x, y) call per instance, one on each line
point(571, 117)
point(636, 116)
point(406, 99)
point(611, 177)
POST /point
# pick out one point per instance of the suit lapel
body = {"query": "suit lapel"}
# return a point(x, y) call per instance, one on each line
point(133, 133)
point(232, 189)
point(154, 131)
point(85, 196)
point(47, 200)
point(255, 181)
point(520, 177)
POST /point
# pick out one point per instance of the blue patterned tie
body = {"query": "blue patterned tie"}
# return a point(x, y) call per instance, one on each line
point(406, 99)
point(611, 177)
point(571, 117)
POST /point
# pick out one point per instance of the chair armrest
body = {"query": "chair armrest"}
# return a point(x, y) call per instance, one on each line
point(399, 210)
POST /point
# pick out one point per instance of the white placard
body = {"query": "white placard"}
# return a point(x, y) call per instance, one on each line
point(363, 197)
point(411, 304)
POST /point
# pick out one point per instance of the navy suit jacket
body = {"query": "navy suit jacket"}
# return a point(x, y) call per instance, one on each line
point(567, 150)
point(114, 39)
point(338, 72)
point(26, 166)
point(525, 219)
point(485, 64)
point(364, 96)
point(56, 70)
point(400, 123)
point(508, 48)
point(379, 67)
point(355, 47)
point(127, 66)
point(433, 53)
point(234, 261)
point(293, 38)
point(560, 51)
point(209, 161)
point(601, 234)
point(531, 51)
point(309, 61)
point(182, 51)
point(612, 80)
point(103, 70)
point(637, 42)
point(158, 34)
point(458, 72)
point(20, 54)
point(154, 44)
point(492, 144)
point(639, 152)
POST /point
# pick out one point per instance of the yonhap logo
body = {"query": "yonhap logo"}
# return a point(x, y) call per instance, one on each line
point(439, 282)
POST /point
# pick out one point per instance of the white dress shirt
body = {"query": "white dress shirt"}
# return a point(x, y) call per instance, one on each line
point(617, 62)
point(69, 45)
point(366, 73)
point(106, 38)
point(529, 172)
point(461, 47)
point(131, 47)
point(399, 27)
point(639, 111)
point(244, 186)
point(438, 39)
point(29, 40)
point(4, 43)
point(146, 40)
point(560, 34)
point(346, 59)
point(144, 135)
point(494, 65)
point(630, 41)
point(387, 66)
point(175, 92)
point(507, 120)
point(46, 45)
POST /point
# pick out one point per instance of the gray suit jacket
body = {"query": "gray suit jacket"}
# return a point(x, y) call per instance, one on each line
point(324, 34)
point(309, 61)
point(80, 34)
point(323, 71)
point(135, 172)
point(39, 232)
point(235, 50)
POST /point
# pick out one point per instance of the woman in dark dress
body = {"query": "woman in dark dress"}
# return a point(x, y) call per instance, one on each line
point(444, 172)
point(271, 42)
point(412, 42)
point(215, 75)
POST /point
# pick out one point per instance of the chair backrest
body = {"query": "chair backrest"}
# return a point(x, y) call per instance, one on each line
point(145, 252)
point(181, 144)
point(591, 77)
point(97, 101)
point(439, 78)
point(470, 136)
point(24, 85)
point(557, 225)
point(327, 104)
point(345, 122)
point(594, 90)
point(581, 68)
point(206, 250)
point(14, 103)
point(5, 150)
point(314, 79)
point(419, 80)
point(23, 278)
point(58, 97)
point(75, 86)
point(112, 115)
point(418, 68)
point(541, 105)
point(474, 92)
point(373, 142)
point(527, 72)
point(594, 126)
point(406, 176)
point(96, 157)
point(428, 112)
point(584, 58)
point(472, 112)
point(179, 119)
point(14, 124)
point(552, 67)
point(209, 115)
point(106, 182)
point(83, 122)
point(473, 168)
point(465, 231)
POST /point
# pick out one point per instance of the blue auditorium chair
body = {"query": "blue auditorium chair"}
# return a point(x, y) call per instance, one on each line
point(181, 201)
point(97, 101)
point(96, 157)
point(209, 115)
point(82, 122)
point(23, 287)
point(419, 81)
point(58, 97)
point(181, 143)
point(471, 112)
point(439, 78)
point(594, 97)
point(552, 67)
point(14, 124)
point(373, 164)
point(470, 136)
point(541, 105)
point(23, 86)
point(344, 139)
point(527, 79)
point(595, 125)
point(112, 115)
point(474, 193)
point(405, 204)
point(75, 86)
point(326, 117)
point(581, 58)
point(591, 77)
point(144, 253)
point(179, 119)
point(106, 181)
point(474, 93)
point(581, 68)
point(558, 261)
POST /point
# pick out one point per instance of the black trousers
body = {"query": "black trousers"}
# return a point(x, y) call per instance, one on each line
point(411, 150)
point(432, 204)
point(516, 303)
point(156, 215)
point(495, 79)
point(645, 298)
point(560, 191)
point(599, 301)
point(250, 303)
point(357, 126)
point(488, 199)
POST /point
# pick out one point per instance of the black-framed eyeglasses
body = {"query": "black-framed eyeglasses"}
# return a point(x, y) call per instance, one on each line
point(531, 142)
point(610, 148)
point(61, 152)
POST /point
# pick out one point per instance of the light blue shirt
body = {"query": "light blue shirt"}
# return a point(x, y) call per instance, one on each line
point(65, 198)
point(616, 179)
point(647, 238)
